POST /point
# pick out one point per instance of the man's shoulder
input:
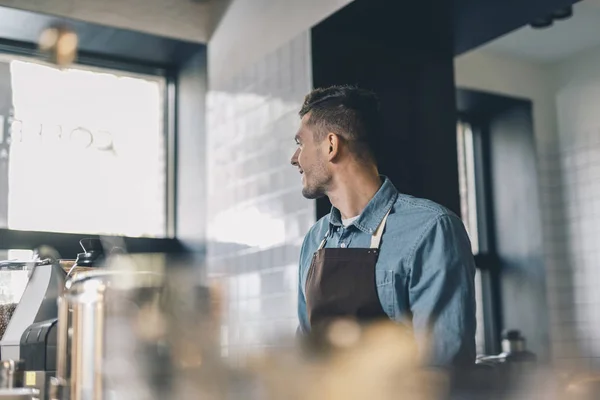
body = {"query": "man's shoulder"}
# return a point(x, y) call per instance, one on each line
point(419, 212)
point(428, 208)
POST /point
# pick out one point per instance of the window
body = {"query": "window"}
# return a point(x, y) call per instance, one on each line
point(83, 150)
point(473, 212)
point(467, 182)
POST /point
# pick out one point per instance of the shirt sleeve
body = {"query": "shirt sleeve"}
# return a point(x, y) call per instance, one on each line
point(303, 326)
point(442, 294)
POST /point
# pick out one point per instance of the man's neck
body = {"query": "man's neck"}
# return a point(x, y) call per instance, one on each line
point(353, 190)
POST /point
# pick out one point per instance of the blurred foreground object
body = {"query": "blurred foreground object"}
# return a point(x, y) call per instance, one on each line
point(60, 44)
point(585, 387)
point(84, 309)
point(380, 364)
point(377, 361)
point(144, 327)
point(148, 327)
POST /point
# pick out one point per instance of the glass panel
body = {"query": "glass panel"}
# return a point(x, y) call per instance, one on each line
point(87, 151)
point(466, 180)
point(23, 255)
point(469, 210)
point(13, 281)
point(480, 333)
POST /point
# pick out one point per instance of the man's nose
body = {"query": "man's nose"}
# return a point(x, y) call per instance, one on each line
point(294, 159)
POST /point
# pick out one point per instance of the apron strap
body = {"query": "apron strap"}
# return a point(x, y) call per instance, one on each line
point(322, 245)
point(376, 238)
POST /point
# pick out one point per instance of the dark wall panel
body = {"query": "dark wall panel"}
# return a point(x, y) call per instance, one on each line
point(479, 21)
point(404, 53)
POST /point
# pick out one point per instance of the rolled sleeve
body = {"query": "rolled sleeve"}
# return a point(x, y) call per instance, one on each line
point(442, 293)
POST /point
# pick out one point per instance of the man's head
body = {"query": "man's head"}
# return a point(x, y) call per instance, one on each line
point(340, 126)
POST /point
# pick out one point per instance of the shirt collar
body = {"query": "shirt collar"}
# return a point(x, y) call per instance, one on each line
point(373, 214)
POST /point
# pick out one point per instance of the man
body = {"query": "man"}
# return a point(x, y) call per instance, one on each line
point(379, 253)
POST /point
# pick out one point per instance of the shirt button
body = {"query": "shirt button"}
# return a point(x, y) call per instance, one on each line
point(343, 245)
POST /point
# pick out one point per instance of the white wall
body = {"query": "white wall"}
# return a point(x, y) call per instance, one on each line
point(256, 215)
point(249, 29)
point(489, 72)
point(259, 70)
point(179, 19)
point(577, 79)
point(577, 87)
point(565, 99)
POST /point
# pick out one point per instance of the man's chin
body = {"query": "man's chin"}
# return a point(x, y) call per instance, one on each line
point(312, 194)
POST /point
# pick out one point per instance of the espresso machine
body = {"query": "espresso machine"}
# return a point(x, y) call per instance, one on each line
point(42, 283)
point(121, 331)
point(29, 295)
point(142, 328)
point(94, 306)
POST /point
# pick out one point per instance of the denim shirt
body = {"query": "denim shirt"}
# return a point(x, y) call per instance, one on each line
point(425, 271)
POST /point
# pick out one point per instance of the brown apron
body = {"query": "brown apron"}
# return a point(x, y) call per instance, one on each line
point(341, 284)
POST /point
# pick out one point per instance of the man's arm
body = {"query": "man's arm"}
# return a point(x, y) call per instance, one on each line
point(302, 317)
point(442, 293)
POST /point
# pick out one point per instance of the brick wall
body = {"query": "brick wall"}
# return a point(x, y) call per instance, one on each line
point(257, 216)
point(573, 172)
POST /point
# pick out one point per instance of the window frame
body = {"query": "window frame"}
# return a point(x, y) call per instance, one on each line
point(67, 244)
point(486, 260)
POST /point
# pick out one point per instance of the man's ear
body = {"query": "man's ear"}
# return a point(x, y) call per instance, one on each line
point(332, 141)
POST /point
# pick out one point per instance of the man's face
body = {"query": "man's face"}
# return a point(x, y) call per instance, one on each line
point(310, 160)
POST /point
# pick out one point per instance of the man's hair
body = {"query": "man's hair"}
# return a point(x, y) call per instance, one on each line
point(348, 111)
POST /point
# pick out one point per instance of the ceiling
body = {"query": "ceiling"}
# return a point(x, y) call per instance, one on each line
point(562, 40)
point(189, 20)
point(20, 28)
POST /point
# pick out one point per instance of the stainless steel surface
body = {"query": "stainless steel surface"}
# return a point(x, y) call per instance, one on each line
point(62, 339)
point(37, 380)
point(58, 389)
point(513, 346)
point(87, 339)
point(8, 372)
point(19, 394)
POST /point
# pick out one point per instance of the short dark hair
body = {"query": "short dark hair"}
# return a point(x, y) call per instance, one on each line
point(349, 111)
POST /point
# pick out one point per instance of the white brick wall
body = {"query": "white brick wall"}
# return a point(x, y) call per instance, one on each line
point(577, 97)
point(567, 129)
point(257, 216)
